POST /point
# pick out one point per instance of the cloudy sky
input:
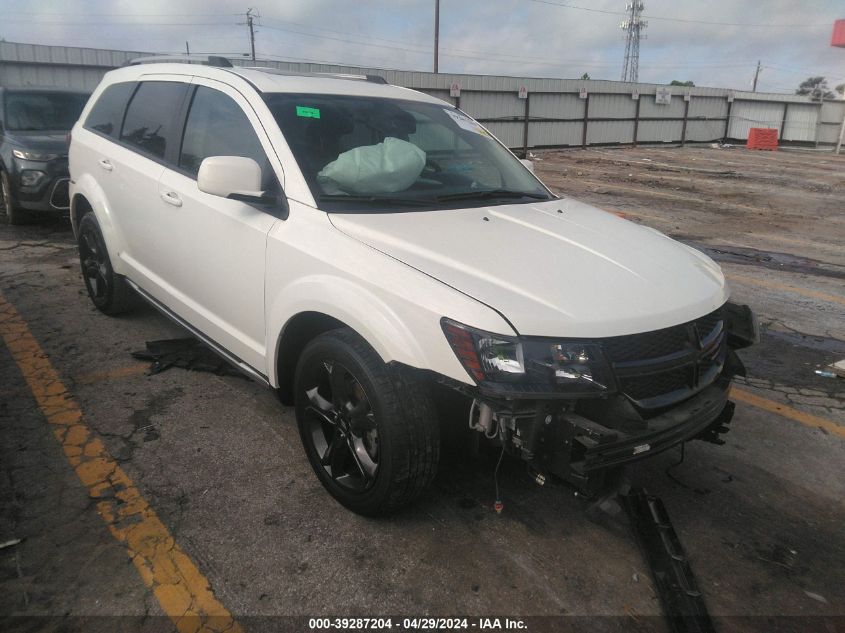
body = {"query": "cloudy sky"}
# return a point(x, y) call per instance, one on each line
point(711, 42)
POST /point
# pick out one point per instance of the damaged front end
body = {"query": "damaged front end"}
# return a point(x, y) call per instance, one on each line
point(579, 408)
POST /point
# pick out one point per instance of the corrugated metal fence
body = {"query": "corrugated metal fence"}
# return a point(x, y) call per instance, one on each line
point(554, 112)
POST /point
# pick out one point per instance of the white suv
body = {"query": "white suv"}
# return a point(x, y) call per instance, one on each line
point(369, 251)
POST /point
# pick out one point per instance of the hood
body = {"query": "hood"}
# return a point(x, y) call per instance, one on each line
point(558, 268)
point(47, 141)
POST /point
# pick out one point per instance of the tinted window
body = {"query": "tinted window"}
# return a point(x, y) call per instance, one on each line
point(217, 126)
point(151, 116)
point(40, 111)
point(107, 114)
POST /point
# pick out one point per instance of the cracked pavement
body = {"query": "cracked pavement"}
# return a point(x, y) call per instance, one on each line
point(219, 460)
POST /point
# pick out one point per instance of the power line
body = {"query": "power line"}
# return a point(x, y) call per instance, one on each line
point(486, 55)
point(685, 20)
point(130, 15)
point(347, 40)
point(111, 23)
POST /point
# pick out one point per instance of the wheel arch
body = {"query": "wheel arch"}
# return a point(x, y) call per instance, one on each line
point(87, 195)
point(79, 206)
point(297, 333)
point(327, 302)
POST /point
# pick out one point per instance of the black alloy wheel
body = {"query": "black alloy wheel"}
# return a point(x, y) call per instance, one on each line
point(95, 264)
point(342, 427)
point(369, 429)
point(108, 291)
point(14, 214)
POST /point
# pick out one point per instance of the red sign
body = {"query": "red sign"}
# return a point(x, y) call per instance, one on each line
point(838, 38)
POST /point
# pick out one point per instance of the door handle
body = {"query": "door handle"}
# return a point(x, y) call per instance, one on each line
point(171, 197)
point(105, 164)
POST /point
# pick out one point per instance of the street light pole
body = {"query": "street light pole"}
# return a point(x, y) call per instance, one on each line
point(436, 31)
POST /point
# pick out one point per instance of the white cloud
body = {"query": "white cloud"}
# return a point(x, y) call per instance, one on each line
point(513, 37)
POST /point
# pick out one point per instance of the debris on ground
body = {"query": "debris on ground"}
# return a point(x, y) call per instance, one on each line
point(825, 373)
point(186, 353)
point(10, 543)
point(838, 368)
point(815, 596)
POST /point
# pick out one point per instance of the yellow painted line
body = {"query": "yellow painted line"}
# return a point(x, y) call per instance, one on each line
point(776, 285)
point(181, 589)
point(111, 374)
point(807, 419)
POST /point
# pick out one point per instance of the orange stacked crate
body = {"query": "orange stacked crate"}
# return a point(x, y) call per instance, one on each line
point(762, 138)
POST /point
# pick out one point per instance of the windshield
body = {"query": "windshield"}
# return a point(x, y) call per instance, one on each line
point(41, 111)
point(371, 154)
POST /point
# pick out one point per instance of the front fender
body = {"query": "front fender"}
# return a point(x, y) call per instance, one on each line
point(314, 268)
point(352, 304)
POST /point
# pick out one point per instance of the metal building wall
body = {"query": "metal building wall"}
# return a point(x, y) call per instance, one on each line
point(748, 114)
point(830, 118)
point(801, 122)
point(556, 114)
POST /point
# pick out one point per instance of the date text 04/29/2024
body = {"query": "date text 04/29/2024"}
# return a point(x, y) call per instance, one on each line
point(416, 624)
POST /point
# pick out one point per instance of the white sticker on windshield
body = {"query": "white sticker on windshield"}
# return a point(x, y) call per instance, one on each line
point(465, 122)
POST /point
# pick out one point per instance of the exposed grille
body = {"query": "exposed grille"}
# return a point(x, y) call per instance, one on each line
point(661, 367)
point(643, 387)
point(60, 197)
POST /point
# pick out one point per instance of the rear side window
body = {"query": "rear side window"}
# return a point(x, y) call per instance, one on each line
point(107, 114)
point(217, 126)
point(151, 117)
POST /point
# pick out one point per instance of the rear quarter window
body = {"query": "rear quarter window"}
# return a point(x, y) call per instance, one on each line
point(151, 118)
point(107, 113)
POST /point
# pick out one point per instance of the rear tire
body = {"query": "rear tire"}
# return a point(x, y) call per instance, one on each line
point(108, 291)
point(369, 430)
point(14, 214)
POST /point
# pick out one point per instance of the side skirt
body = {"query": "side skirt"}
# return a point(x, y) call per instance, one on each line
point(216, 348)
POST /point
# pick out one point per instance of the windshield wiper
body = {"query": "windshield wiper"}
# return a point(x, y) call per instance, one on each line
point(418, 202)
point(491, 193)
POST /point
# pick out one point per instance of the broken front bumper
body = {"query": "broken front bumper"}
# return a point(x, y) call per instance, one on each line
point(579, 439)
point(603, 447)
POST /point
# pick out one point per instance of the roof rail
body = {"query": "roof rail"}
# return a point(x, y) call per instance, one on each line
point(206, 60)
point(376, 79)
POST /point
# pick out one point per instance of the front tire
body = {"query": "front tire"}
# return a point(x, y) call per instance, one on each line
point(107, 290)
point(369, 430)
point(14, 214)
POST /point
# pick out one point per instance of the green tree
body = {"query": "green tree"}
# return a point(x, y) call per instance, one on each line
point(675, 82)
point(585, 76)
point(816, 88)
point(840, 89)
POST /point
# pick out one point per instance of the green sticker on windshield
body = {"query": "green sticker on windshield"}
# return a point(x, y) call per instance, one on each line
point(312, 113)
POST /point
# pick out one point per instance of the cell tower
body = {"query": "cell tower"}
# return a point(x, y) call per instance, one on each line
point(633, 26)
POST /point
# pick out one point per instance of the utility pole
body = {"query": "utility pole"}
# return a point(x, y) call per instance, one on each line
point(249, 20)
point(756, 75)
point(187, 48)
point(633, 27)
point(436, 32)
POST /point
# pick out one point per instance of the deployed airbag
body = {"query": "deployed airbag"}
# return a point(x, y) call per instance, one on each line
point(388, 167)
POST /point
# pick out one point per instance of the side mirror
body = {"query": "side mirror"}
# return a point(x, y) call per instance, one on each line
point(230, 177)
point(529, 165)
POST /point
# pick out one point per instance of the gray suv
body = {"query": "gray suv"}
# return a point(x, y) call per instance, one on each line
point(34, 124)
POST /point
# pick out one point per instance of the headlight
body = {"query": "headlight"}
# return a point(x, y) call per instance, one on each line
point(42, 156)
point(31, 177)
point(573, 367)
